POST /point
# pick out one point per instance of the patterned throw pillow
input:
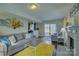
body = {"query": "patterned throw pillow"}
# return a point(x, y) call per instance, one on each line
point(5, 40)
point(12, 39)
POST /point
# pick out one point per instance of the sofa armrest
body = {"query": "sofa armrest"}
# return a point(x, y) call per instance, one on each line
point(3, 49)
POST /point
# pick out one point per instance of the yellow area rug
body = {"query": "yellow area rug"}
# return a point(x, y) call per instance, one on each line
point(42, 49)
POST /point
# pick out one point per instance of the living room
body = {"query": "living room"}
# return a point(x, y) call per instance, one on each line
point(26, 29)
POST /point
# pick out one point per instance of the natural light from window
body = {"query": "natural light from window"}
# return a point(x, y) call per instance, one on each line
point(50, 29)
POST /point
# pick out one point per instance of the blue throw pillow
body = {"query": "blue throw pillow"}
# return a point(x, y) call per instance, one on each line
point(5, 40)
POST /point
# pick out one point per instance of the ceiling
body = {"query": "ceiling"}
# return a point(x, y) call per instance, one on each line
point(45, 11)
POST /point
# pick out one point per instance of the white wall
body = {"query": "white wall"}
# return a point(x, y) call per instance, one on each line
point(41, 29)
point(7, 30)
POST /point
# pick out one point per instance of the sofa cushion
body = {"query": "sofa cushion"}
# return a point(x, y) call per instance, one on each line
point(19, 37)
point(28, 35)
point(12, 40)
point(18, 44)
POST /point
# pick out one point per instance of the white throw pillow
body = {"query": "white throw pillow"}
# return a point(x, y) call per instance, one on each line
point(12, 40)
point(27, 35)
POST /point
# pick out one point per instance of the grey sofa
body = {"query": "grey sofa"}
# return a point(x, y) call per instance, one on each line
point(19, 45)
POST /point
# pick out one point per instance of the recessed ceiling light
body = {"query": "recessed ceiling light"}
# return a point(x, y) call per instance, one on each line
point(33, 6)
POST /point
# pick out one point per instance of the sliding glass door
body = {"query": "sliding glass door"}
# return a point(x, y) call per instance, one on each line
point(49, 29)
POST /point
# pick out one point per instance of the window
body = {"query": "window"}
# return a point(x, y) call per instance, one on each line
point(47, 30)
point(50, 29)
